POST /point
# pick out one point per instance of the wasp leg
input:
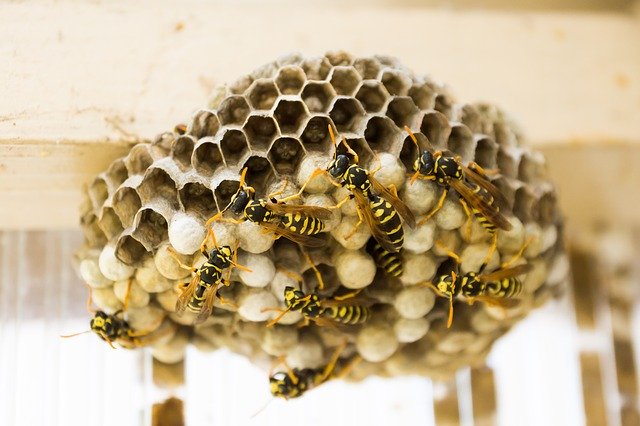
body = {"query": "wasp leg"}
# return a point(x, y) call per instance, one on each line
point(492, 249)
point(451, 254)
point(347, 295)
point(127, 294)
point(223, 300)
point(481, 170)
point(435, 209)
point(518, 255)
point(342, 202)
point(350, 366)
point(332, 363)
point(357, 225)
point(469, 223)
point(90, 301)
point(177, 259)
point(316, 271)
point(280, 191)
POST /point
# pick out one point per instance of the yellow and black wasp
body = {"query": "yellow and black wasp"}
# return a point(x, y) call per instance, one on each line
point(199, 295)
point(378, 206)
point(293, 383)
point(478, 195)
point(298, 223)
point(345, 309)
point(500, 287)
point(390, 262)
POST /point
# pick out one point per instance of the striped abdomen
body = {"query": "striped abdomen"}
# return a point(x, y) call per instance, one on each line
point(488, 198)
point(348, 314)
point(391, 263)
point(302, 224)
point(507, 287)
point(195, 304)
point(389, 220)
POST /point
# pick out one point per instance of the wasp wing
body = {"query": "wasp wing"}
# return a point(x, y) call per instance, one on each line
point(186, 295)
point(321, 213)
point(505, 273)
point(485, 183)
point(305, 240)
point(362, 203)
point(396, 202)
point(487, 210)
point(207, 306)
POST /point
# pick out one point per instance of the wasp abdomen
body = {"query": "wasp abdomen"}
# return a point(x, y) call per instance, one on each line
point(390, 262)
point(351, 315)
point(389, 220)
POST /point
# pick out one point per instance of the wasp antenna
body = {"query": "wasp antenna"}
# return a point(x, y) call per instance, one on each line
point(264, 407)
point(332, 135)
point(450, 320)
point(412, 136)
point(66, 336)
point(243, 175)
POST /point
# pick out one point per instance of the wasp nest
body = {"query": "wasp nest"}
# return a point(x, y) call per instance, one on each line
point(274, 122)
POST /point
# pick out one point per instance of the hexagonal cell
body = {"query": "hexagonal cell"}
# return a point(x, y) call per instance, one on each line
point(241, 85)
point(372, 95)
point(402, 111)
point(206, 157)
point(138, 160)
point(346, 113)
point(151, 228)
point(261, 130)
point(290, 114)
point(195, 198)
point(158, 184)
point(183, 149)
point(129, 250)
point(233, 110)
point(234, 146)
point(259, 172)
point(444, 104)
point(316, 68)
point(368, 68)
point(318, 96)
point(423, 95)
point(290, 80)
point(507, 165)
point(527, 169)
point(98, 192)
point(290, 59)
point(92, 232)
point(504, 135)
point(523, 204)
point(396, 82)
point(339, 58)
point(382, 134)
point(116, 174)
point(204, 123)
point(436, 128)
point(315, 136)
point(360, 146)
point(126, 203)
point(262, 94)
point(486, 152)
point(547, 208)
point(224, 191)
point(409, 151)
point(470, 117)
point(506, 189)
point(285, 155)
point(345, 80)
point(461, 142)
point(110, 223)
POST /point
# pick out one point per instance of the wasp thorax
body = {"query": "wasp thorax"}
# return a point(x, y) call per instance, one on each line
point(448, 168)
point(223, 253)
point(339, 166)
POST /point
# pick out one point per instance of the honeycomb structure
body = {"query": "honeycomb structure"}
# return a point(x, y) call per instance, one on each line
point(274, 122)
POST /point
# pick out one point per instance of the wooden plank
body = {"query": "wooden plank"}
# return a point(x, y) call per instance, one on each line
point(445, 403)
point(483, 390)
point(565, 77)
point(592, 390)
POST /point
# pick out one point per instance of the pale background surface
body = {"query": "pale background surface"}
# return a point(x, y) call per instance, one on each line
point(80, 81)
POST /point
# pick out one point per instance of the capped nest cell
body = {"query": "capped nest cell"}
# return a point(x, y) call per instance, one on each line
point(274, 122)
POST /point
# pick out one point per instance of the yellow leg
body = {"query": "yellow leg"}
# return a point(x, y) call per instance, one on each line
point(518, 255)
point(90, 301)
point(127, 294)
point(341, 203)
point(173, 254)
point(316, 172)
point(350, 366)
point(435, 209)
point(347, 295)
point(492, 249)
point(378, 166)
point(281, 190)
point(468, 223)
point(315, 269)
point(451, 254)
point(357, 225)
point(332, 362)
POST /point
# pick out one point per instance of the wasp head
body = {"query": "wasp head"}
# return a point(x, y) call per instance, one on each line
point(339, 166)
point(425, 163)
point(282, 386)
point(240, 200)
point(293, 297)
point(446, 284)
point(102, 324)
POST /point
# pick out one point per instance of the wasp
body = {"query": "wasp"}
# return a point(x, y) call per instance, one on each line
point(344, 309)
point(300, 224)
point(378, 206)
point(199, 295)
point(390, 262)
point(500, 287)
point(293, 383)
point(477, 194)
